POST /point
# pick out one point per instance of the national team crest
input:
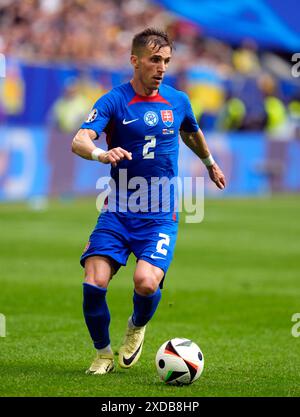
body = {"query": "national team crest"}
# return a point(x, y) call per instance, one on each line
point(151, 118)
point(167, 117)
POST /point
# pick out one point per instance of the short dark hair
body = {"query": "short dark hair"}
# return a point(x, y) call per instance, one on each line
point(150, 36)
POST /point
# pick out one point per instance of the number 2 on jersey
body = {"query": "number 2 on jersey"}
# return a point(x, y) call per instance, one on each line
point(164, 241)
point(151, 143)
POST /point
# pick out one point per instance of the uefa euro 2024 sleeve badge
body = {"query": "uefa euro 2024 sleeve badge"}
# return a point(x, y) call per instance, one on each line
point(92, 116)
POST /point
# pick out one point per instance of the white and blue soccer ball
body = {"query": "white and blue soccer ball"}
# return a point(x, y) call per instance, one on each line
point(179, 361)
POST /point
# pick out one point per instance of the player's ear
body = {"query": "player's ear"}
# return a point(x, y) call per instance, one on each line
point(134, 61)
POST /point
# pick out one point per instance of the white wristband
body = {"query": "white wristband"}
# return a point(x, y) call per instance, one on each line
point(209, 161)
point(96, 152)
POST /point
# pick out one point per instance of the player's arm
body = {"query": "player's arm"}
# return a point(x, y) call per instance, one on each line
point(83, 145)
point(197, 143)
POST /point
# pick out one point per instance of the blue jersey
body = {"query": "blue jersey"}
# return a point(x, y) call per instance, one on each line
point(148, 127)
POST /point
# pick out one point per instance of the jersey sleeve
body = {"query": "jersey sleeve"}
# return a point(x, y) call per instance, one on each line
point(101, 114)
point(189, 122)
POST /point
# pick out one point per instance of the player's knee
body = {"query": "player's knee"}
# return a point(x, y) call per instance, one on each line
point(96, 273)
point(95, 280)
point(145, 284)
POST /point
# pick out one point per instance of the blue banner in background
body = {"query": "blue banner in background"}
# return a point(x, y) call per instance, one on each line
point(36, 88)
point(29, 92)
point(23, 168)
point(33, 165)
point(241, 157)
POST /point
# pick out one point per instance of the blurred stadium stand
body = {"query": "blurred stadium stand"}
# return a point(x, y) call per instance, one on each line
point(62, 55)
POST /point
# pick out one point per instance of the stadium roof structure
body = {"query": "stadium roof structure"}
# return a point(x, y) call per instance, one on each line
point(272, 24)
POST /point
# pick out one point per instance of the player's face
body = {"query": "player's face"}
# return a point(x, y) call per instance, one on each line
point(152, 65)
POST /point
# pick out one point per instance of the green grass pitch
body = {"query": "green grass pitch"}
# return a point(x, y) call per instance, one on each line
point(233, 287)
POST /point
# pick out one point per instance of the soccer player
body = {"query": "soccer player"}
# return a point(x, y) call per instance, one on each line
point(142, 120)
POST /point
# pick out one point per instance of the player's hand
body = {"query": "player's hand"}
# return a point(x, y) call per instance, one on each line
point(217, 176)
point(114, 156)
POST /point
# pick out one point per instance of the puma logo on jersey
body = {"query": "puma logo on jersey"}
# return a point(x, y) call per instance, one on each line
point(126, 122)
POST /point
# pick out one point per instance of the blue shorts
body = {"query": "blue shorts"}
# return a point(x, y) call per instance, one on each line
point(117, 236)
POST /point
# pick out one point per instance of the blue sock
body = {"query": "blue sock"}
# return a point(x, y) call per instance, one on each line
point(96, 314)
point(144, 306)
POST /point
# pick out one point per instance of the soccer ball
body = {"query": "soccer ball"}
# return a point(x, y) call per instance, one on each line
point(179, 361)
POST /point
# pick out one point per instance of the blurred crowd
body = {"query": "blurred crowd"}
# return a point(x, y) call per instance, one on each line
point(231, 88)
point(94, 31)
